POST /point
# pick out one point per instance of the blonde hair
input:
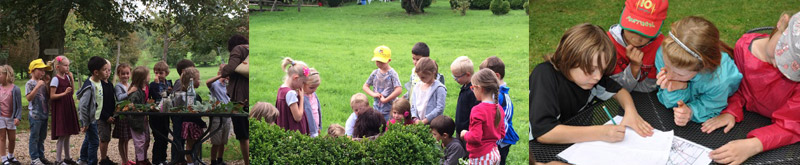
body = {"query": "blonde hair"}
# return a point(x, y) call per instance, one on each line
point(700, 36)
point(359, 98)
point(9, 72)
point(59, 60)
point(577, 48)
point(313, 77)
point(335, 130)
point(463, 64)
point(266, 111)
point(426, 66)
point(489, 83)
point(189, 73)
point(293, 67)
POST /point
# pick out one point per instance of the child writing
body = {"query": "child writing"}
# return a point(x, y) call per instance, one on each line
point(385, 82)
point(636, 44)
point(566, 83)
point(217, 86)
point(265, 112)
point(122, 131)
point(401, 113)
point(697, 74)
point(486, 121)
point(138, 129)
point(38, 105)
point(429, 99)
point(311, 109)
point(358, 102)
point(769, 87)
point(91, 105)
point(65, 115)
point(499, 68)
point(290, 100)
point(419, 51)
point(442, 128)
point(10, 113)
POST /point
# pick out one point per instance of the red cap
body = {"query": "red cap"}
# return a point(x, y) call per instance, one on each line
point(644, 16)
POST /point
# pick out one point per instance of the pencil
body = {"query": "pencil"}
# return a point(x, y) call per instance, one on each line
point(609, 115)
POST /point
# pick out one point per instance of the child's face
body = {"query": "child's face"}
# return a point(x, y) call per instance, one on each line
point(461, 78)
point(105, 72)
point(587, 80)
point(297, 82)
point(425, 77)
point(38, 74)
point(397, 115)
point(415, 58)
point(310, 88)
point(634, 39)
point(382, 65)
point(437, 135)
point(677, 74)
point(63, 67)
point(124, 74)
point(161, 74)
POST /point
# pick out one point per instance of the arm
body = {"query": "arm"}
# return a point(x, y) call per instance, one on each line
point(296, 107)
point(32, 94)
point(212, 80)
point(17, 113)
point(632, 118)
point(452, 157)
point(84, 106)
point(567, 134)
point(369, 91)
point(121, 93)
point(475, 132)
point(736, 106)
point(784, 130)
point(715, 97)
point(397, 91)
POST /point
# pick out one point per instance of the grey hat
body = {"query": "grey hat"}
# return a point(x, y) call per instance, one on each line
point(787, 51)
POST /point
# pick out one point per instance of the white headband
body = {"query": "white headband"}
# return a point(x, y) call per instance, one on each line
point(684, 46)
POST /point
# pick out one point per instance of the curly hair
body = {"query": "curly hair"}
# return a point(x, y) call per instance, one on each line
point(369, 123)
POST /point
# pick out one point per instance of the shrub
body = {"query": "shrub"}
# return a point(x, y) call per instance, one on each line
point(517, 4)
point(480, 4)
point(415, 6)
point(527, 9)
point(500, 7)
point(334, 3)
point(411, 144)
point(461, 6)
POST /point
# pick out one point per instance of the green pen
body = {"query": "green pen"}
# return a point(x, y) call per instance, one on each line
point(609, 115)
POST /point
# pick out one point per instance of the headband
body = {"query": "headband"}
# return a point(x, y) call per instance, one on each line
point(685, 47)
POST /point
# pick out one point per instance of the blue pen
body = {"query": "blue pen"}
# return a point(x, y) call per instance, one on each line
point(609, 115)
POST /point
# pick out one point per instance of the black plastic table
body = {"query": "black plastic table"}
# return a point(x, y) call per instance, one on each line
point(662, 119)
point(197, 145)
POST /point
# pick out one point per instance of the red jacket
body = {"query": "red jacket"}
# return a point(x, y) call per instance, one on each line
point(648, 69)
point(764, 90)
point(483, 134)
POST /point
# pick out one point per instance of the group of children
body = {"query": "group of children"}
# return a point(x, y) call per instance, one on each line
point(483, 113)
point(94, 114)
point(694, 73)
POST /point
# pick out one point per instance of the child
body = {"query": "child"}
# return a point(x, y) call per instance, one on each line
point(499, 68)
point(486, 121)
point(566, 83)
point(38, 105)
point(192, 128)
point(385, 81)
point(694, 54)
point(92, 102)
point(419, 51)
point(138, 129)
point(65, 115)
point(177, 121)
point(357, 102)
point(290, 102)
point(769, 87)
point(463, 69)
point(401, 112)
point(335, 130)
point(158, 89)
point(217, 86)
point(442, 128)
point(312, 107)
point(106, 116)
point(122, 130)
point(370, 124)
point(636, 39)
point(10, 113)
point(429, 99)
point(264, 111)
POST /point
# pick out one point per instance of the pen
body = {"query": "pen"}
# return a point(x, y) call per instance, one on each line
point(609, 115)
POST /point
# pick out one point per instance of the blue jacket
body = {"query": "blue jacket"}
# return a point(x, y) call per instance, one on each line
point(707, 93)
point(504, 99)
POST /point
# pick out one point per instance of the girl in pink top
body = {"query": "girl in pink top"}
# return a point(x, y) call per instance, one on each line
point(485, 121)
point(10, 113)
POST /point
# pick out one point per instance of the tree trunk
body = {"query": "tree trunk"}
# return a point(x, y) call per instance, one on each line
point(166, 47)
point(51, 28)
point(299, 3)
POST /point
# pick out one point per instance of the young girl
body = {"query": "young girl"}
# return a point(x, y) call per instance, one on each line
point(10, 113)
point(65, 115)
point(429, 96)
point(311, 105)
point(569, 80)
point(121, 129)
point(486, 124)
point(289, 101)
point(768, 90)
point(697, 75)
point(137, 128)
point(401, 113)
point(265, 112)
point(192, 126)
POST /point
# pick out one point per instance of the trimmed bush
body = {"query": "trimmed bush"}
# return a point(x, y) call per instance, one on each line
point(415, 6)
point(500, 7)
point(527, 9)
point(334, 3)
point(517, 4)
point(412, 144)
point(480, 4)
point(461, 6)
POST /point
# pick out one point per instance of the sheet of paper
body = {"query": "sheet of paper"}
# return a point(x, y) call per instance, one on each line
point(634, 149)
point(685, 152)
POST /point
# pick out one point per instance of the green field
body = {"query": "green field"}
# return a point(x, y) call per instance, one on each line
point(339, 43)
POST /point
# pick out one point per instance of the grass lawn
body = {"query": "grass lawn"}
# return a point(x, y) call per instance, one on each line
point(550, 18)
point(339, 43)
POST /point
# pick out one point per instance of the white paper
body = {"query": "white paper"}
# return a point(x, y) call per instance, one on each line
point(685, 152)
point(634, 149)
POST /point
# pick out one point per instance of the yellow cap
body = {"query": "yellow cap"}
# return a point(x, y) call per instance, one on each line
point(38, 64)
point(382, 54)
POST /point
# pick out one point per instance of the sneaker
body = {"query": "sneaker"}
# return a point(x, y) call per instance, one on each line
point(37, 162)
point(72, 162)
point(14, 160)
point(107, 161)
point(45, 161)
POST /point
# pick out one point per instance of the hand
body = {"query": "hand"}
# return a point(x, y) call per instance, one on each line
point(725, 119)
point(463, 132)
point(132, 88)
point(682, 114)
point(155, 79)
point(737, 151)
point(84, 129)
point(375, 94)
point(635, 55)
point(69, 89)
point(384, 99)
point(39, 83)
point(16, 122)
point(613, 133)
point(662, 78)
point(676, 85)
point(110, 120)
point(637, 124)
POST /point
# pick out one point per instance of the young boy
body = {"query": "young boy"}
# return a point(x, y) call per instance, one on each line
point(385, 81)
point(92, 101)
point(442, 128)
point(462, 69)
point(636, 40)
point(106, 117)
point(217, 87)
point(495, 64)
point(35, 93)
point(159, 88)
point(419, 50)
point(357, 102)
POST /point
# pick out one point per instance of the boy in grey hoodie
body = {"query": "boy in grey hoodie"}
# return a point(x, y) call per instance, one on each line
point(91, 96)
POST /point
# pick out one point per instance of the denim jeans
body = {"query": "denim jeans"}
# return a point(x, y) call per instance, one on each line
point(90, 143)
point(38, 134)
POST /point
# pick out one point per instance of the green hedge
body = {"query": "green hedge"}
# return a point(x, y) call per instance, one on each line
point(480, 4)
point(500, 7)
point(411, 7)
point(413, 144)
point(517, 4)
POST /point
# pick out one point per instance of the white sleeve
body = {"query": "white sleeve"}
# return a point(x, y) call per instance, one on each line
point(54, 82)
point(291, 97)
